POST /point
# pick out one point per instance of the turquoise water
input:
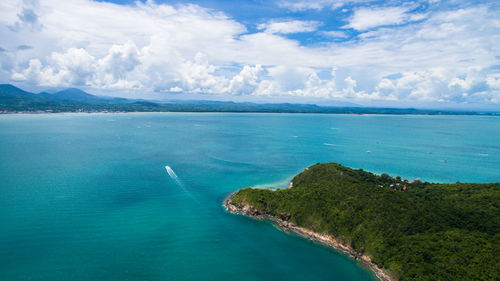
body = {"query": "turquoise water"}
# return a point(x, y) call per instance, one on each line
point(87, 197)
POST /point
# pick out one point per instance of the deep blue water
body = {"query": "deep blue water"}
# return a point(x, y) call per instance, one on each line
point(87, 196)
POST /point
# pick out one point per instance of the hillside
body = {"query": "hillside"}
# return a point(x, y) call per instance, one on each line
point(13, 99)
point(425, 231)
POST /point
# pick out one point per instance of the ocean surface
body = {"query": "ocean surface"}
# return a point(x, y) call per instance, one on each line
point(88, 197)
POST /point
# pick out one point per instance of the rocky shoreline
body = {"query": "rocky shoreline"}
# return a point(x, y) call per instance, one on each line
point(287, 226)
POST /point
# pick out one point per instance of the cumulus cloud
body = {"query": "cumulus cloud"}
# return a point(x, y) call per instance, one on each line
point(31, 73)
point(114, 68)
point(319, 88)
point(148, 47)
point(439, 85)
point(198, 76)
point(247, 81)
point(73, 67)
point(417, 85)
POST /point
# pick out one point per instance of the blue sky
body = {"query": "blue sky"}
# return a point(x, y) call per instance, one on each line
point(422, 53)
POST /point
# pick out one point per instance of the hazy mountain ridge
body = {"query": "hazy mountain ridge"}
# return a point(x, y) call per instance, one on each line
point(13, 99)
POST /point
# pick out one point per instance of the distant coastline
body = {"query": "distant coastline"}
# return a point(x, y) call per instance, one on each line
point(14, 100)
point(326, 240)
point(437, 113)
point(334, 111)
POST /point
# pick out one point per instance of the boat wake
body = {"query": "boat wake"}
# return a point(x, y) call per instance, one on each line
point(174, 177)
point(171, 172)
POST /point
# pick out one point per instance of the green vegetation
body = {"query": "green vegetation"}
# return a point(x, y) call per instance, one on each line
point(426, 232)
point(13, 99)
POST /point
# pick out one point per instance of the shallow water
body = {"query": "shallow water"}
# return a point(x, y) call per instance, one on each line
point(88, 196)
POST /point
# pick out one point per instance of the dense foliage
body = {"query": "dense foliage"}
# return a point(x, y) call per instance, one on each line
point(426, 232)
point(13, 99)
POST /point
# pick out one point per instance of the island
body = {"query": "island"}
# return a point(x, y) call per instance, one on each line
point(400, 229)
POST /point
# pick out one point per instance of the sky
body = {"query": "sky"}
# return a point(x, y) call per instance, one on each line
point(420, 53)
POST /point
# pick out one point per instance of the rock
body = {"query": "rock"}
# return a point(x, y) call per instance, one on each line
point(256, 212)
point(285, 217)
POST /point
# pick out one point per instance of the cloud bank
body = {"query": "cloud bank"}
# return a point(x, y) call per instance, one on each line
point(397, 53)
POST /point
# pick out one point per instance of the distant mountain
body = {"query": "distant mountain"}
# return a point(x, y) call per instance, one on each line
point(11, 90)
point(10, 93)
point(16, 99)
point(73, 94)
point(211, 102)
point(13, 99)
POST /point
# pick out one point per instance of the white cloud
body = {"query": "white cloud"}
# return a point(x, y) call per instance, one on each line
point(198, 76)
point(267, 88)
point(367, 18)
point(303, 5)
point(289, 26)
point(32, 72)
point(76, 67)
point(290, 78)
point(73, 68)
point(335, 34)
point(419, 85)
point(247, 81)
point(438, 85)
point(27, 16)
point(150, 47)
point(175, 89)
point(493, 81)
point(318, 5)
point(318, 88)
point(350, 85)
point(121, 60)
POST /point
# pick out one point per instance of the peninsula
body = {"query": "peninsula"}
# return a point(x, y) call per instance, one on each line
point(401, 230)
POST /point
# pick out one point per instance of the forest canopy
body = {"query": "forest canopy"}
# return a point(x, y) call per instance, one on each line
point(413, 230)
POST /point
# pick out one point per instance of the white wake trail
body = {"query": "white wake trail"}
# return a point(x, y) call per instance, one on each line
point(173, 176)
point(171, 173)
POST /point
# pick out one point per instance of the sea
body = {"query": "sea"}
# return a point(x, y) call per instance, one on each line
point(138, 196)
